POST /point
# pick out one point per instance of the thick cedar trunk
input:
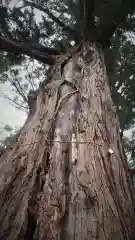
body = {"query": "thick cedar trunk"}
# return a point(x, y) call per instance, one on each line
point(76, 185)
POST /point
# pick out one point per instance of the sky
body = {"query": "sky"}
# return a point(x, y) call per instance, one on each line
point(9, 115)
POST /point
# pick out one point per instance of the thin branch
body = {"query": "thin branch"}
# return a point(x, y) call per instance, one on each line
point(16, 104)
point(30, 80)
point(11, 46)
point(19, 90)
point(55, 19)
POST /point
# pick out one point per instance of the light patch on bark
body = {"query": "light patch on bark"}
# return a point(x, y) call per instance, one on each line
point(72, 112)
point(111, 151)
point(74, 149)
point(57, 139)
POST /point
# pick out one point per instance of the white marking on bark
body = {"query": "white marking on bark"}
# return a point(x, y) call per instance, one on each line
point(72, 112)
point(68, 73)
point(58, 138)
point(74, 150)
point(29, 167)
point(111, 151)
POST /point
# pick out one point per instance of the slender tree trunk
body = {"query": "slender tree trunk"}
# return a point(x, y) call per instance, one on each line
point(67, 177)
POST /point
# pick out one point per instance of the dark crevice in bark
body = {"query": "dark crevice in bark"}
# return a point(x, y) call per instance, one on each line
point(47, 162)
point(42, 184)
point(66, 170)
point(63, 221)
point(31, 226)
point(32, 207)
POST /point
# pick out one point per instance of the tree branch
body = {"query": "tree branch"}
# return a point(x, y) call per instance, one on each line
point(55, 19)
point(43, 49)
point(19, 90)
point(11, 46)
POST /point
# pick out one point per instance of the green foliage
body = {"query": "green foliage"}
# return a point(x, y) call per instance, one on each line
point(129, 145)
point(125, 80)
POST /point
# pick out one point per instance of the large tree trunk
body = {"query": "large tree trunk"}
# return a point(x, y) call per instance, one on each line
point(67, 177)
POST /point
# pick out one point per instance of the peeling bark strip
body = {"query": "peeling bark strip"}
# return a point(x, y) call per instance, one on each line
point(63, 190)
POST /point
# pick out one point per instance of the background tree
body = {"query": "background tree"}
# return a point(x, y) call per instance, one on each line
point(53, 186)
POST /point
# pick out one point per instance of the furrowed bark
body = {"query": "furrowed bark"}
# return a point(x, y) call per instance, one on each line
point(67, 177)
